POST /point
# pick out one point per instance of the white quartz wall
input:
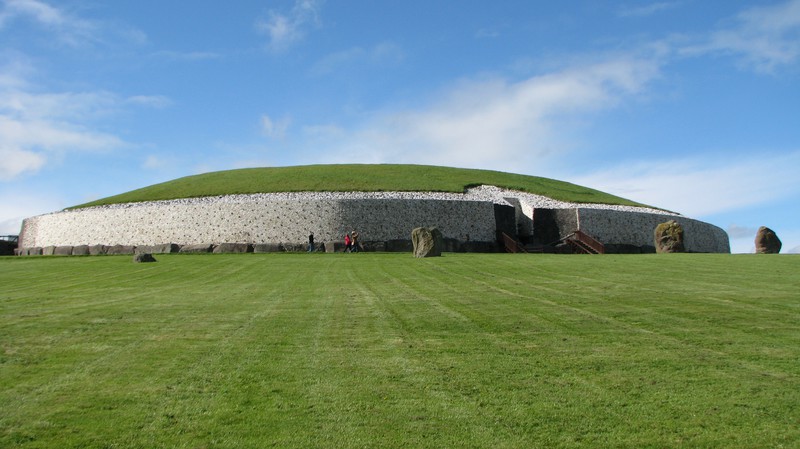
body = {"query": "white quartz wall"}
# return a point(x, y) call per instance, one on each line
point(257, 221)
point(637, 228)
point(377, 216)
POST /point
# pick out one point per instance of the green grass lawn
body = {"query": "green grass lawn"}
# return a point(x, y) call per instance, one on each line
point(358, 178)
point(384, 350)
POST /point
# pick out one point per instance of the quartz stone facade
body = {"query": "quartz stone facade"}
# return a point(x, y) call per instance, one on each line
point(282, 221)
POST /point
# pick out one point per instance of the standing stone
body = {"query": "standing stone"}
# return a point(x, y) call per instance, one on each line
point(428, 242)
point(669, 237)
point(143, 257)
point(767, 242)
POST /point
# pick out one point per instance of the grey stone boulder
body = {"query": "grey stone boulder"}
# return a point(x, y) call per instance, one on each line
point(116, 250)
point(767, 242)
point(166, 248)
point(333, 247)
point(428, 242)
point(202, 248)
point(98, 250)
point(62, 251)
point(233, 248)
point(143, 258)
point(80, 250)
point(669, 237)
point(267, 248)
point(294, 247)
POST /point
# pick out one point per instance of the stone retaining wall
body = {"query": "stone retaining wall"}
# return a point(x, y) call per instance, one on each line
point(284, 222)
point(637, 229)
point(270, 222)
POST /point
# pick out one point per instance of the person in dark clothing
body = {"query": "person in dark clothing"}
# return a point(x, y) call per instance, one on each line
point(311, 242)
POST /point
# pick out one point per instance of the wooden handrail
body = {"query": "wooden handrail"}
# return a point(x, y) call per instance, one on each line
point(511, 245)
point(589, 241)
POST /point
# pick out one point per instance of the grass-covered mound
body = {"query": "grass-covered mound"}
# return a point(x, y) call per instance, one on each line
point(356, 178)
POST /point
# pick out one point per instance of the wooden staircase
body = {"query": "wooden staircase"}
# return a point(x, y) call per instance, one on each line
point(579, 241)
point(510, 244)
point(584, 243)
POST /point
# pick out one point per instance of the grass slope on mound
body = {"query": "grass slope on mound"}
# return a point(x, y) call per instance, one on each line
point(359, 178)
point(389, 351)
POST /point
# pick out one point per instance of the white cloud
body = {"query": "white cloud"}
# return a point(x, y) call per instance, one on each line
point(15, 69)
point(699, 188)
point(36, 126)
point(274, 129)
point(487, 33)
point(324, 132)
point(29, 105)
point(496, 123)
point(153, 162)
point(53, 135)
point(186, 56)
point(68, 29)
point(284, 30)
point(152, 101)
point(18, 205)
point(738, 232)
point(17, 161)
point(71, 30)
point(383, 54)
point(647, 9)
point(764, 38)
point(39, 11)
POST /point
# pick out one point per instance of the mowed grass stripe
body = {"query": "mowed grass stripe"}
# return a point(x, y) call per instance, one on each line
point(382, 350)
point(501, 356)
point(435, 359)
point(574, 292)
point(670, 313)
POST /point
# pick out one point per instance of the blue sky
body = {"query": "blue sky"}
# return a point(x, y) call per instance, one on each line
point(688, 105)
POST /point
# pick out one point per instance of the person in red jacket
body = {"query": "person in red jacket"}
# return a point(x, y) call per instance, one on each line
point(347, 243)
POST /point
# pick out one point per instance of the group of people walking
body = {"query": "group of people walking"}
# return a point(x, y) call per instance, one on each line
point(351, 244)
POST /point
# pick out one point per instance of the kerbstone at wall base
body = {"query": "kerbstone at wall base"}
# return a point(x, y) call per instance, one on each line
point(294, 247)
point(233, 248)
point(117, 250)
point(62, 251)
point(399, 246)
point(267, 248)
point(98, 250)
point(623, 248)
point(166, 248)
point(201, 248)
point(80, 250)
